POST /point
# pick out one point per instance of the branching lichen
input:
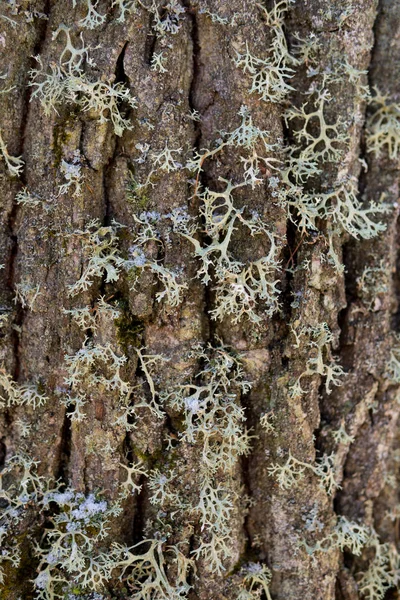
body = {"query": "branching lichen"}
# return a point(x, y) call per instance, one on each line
point(269, 75)
point(140, 258)
point(66, 83)
point(26, 294)
point(383, 127)
point(345, 534)
point(14, 164)
point(320, 363)
point(239, 286)
point(93, 19)
point(99, 247)
point(214, 420)
point(15, 394)
point(166, 16)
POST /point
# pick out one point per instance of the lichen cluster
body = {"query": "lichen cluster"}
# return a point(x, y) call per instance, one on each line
point(74, 551)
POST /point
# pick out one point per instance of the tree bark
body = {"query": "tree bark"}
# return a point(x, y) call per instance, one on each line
point(191, 103)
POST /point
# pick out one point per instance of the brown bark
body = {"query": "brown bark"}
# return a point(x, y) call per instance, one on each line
point(39, 248)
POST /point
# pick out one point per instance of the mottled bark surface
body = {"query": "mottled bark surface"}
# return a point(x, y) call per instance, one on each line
point(40, 249)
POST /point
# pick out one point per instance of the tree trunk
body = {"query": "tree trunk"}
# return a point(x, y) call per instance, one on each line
point(199, 302)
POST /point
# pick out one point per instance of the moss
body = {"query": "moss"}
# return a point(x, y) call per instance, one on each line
point(129, 331)
point(248, 556)
point(140, 454)
point(136, 196)
point(139, 202)
point(61, 136)
point(23, 574)
point(41, 388)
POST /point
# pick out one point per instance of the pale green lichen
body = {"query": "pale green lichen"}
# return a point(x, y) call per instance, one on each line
point(321, 140)
point(16, 394)
point(372, 285)
point(383, 127)
point(345, 534)
point(74, 552)
point(140, 259)
point(255, 581)
point(14, 164)
point(269, 75)
point(94, 366)
point(88, 317)
point(394, 364)
point(93, 18)
point(318, 339)
point(26, 294)
point(100, 254)
point(166, 16)
point(383, 571)
point(66, 83)
point(239, 286)
point(214, 420)
point(290, 473)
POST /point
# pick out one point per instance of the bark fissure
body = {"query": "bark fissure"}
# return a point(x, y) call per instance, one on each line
point(120, 77)
point(63, 470)
point(396, 284)
point(41, 35)
point(202, 178)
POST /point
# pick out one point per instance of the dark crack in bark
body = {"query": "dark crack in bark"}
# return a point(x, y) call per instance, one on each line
point(41, 34)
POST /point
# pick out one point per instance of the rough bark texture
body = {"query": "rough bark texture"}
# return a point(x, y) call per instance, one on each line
point(267, 523)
